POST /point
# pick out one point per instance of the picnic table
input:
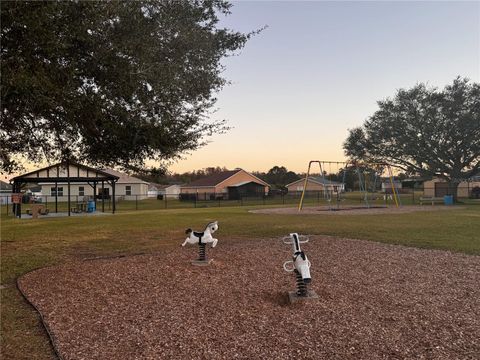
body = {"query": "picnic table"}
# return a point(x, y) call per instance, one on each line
point(79, 207)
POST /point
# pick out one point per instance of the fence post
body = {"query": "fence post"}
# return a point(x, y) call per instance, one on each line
point(195, 200)
point(263, 199)
point(241, 201)
point(413, 195)
point(136, 202)
point(166, 200)
point(7, 205)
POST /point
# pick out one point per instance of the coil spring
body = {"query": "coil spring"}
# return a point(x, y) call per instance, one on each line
point(201, 252)
point(301, 286)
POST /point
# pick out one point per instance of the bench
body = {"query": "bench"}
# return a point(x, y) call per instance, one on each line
point(431, 200)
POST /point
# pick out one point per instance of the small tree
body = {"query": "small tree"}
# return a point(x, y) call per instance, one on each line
point(425, 131)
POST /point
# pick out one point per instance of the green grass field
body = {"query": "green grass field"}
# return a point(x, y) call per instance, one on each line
point(30, 244)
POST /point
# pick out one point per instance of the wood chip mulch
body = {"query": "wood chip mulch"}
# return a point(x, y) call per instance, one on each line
point(354, 210)
point(376, 301)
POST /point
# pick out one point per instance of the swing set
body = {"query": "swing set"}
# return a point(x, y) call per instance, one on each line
point(362, 170)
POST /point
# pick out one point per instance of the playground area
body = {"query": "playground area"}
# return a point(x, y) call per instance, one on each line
point(353, 210)
point(376, 301)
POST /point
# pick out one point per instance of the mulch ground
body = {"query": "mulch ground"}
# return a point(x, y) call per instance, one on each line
point(354, 210)
point(376, 301)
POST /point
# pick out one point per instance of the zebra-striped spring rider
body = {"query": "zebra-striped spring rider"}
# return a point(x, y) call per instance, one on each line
point(202, 238)
point(300, 264)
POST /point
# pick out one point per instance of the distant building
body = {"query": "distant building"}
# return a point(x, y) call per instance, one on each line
point(387, 186)
point(5, 192)
point(439, 187)
point(315, 183)
point(232, 184)
point(171, 191)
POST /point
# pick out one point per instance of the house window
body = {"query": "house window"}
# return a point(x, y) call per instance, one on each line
point(128, 190)
point(60, 191)
point(81, 190)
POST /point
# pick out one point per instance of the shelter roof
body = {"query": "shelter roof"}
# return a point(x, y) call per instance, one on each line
point(63, 172)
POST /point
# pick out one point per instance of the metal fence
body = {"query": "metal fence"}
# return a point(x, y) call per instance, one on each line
point(407, 196)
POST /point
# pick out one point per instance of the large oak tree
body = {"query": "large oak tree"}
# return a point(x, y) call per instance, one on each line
point(110, 82)
point(424, 131)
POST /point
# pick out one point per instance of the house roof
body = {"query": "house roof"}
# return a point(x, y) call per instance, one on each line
point(5, 186)
point(244, 183)
point(124, 178)
point(218, 178)
point(318, 180)
point(161, 186)
point(214, 179)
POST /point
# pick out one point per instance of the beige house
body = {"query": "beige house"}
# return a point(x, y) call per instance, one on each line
point(314, 184)
point(438, 187)
point(232, 184)
point(126, 188)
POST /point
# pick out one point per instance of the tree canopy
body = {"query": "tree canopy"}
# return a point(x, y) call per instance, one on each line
point(110, 83)
point(424, 131)
point(278, 176)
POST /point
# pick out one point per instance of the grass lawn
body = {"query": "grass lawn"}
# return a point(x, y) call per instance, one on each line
point(30, 244)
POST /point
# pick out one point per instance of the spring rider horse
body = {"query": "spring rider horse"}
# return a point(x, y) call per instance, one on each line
point(300, 265)
point(202, 238)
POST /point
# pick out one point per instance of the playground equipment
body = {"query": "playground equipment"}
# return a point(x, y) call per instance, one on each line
point(362, 172)
point(300, 265)
point(202, 238)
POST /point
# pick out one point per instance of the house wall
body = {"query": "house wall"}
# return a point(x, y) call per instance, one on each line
point(298, 186)
point(464, 188)
point(138, 191)
point(239, 177)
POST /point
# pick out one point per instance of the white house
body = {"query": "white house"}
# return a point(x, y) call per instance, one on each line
point(387, 185)
point(171, 191)
point(127, 188)
point(5, 193)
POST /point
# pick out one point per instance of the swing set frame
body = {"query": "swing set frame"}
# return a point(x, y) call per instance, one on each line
point(357, 165)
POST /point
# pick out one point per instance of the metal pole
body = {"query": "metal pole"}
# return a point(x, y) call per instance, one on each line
point(113, 197)
point(68, 186)
point(56, 196)
point(103, 197)
point(300, 206)
point(136, 202)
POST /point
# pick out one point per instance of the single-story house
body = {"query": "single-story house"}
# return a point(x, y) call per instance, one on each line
point(126, 188)
point(232, 184)
point(315, 183)
point(438, 187)
point(5, 192)
point(171, 191)
point(387, 185)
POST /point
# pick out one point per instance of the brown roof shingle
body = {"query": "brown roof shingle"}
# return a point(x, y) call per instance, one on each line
point(214, 179)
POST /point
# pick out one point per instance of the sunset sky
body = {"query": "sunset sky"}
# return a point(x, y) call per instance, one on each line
point(319, 68)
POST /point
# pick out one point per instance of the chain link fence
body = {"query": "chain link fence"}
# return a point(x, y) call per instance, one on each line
point(79, 204)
